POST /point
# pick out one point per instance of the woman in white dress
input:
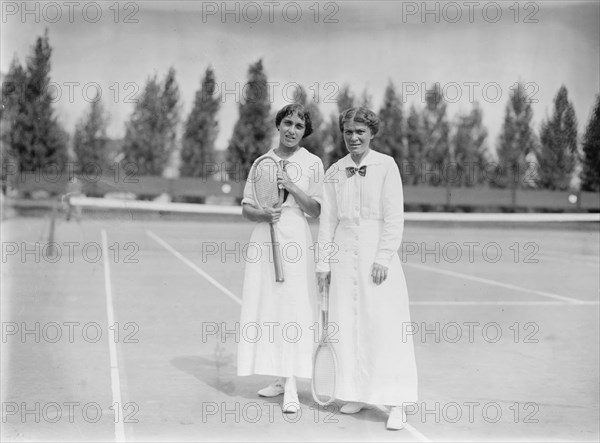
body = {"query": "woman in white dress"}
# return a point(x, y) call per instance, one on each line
point(360, 232)
point(277, 319)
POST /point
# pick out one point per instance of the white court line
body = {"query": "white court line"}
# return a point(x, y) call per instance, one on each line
point(501, 217)
point(497, 283)
point(569, 256)
point(568, 260)
point(501, 303)
point(418, 435)
point(173, 251)
point(112, 347)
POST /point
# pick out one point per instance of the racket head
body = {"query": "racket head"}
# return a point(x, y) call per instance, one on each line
point(264, 183)
point(324, 374)
point(325, 359)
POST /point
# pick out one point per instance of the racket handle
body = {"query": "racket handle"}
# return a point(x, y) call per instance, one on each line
point(325, 298)
point(276, 256)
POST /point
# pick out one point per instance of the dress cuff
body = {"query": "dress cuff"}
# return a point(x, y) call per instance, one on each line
point(322, 267)
point(384, 258)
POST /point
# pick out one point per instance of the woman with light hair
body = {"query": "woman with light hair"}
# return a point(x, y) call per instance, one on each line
point(360, 232)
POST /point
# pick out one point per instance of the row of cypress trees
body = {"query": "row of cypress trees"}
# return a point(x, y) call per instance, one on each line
point(428, 147)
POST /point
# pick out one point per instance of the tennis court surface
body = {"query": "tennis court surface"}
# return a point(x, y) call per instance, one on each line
point(128, 331)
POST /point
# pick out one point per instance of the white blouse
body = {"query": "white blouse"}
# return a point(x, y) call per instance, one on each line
point(377, 196)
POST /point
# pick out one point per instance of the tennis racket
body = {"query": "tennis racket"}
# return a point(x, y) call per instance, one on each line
point(325, 360)
point(268, 195)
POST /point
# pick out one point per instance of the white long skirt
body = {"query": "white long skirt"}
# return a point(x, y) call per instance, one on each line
point(277, 323)
point(376, 359)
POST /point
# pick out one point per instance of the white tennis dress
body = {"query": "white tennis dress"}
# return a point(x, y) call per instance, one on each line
point(277, 323)
point(362, 220)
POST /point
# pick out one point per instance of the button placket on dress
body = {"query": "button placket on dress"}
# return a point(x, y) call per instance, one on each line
point(357, 186)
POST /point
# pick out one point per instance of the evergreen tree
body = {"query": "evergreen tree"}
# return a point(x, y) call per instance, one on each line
point(13, 106)
point(36, 138)
point(390, 139)
point(143, 145)
point(366, 101)
point(345, 100)
point(314, 143)
point(437, 156)
point(590, 175)
point(13, 87)
point(413, 165)
point(90, 142)
point(170, 108)
point(516, 141)
point(558, 147)
point(151, 131)
point(201, 129)
point(253, 131)
point(470, 154)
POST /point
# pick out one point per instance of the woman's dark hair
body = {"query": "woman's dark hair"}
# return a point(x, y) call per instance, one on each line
point(295, 109)
point(360, 115)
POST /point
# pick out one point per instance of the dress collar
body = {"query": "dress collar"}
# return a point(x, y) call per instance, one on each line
point(372, 158)
point(278, 158)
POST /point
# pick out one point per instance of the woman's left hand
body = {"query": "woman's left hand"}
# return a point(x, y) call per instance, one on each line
point(323, 279)
point(308, 204)
point(378, 273)
point(284, 182)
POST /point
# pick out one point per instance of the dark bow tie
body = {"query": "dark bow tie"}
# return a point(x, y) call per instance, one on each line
point(350, 171)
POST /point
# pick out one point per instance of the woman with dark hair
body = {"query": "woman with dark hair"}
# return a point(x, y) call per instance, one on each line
point(276, 318)
point(360, 232)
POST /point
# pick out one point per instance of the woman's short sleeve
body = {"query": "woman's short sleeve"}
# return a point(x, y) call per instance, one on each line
point(248, 197)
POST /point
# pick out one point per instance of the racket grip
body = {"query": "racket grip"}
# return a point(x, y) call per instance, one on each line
point(325, 298)
point(276, 256)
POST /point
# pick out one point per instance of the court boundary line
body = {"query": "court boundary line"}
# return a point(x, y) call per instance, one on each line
point(559, 259)
point(112, 347)
point(502, 303)
point(488, 281)
point(416, 433)
point(582, 257)
point(412, 430)
point(192, 265)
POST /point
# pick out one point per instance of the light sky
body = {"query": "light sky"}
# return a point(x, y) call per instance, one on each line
point(475, 56)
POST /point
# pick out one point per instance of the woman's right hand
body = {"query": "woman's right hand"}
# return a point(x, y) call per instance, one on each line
point(271, 215)
point(258, 215)
point(323, 279)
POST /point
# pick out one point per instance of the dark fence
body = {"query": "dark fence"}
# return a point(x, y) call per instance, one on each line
point(415, 197)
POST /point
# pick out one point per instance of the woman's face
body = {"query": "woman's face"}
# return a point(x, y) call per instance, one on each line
point(291, 130)
point(357, 137)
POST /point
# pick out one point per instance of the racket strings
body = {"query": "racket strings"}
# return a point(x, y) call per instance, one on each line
point(324, 373)
point(265, 184)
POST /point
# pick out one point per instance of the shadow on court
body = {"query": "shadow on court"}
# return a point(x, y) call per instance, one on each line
point(219, 374)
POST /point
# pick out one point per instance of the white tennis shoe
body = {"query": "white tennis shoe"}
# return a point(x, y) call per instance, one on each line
point(273, 390)
point(291, 404)
point(353, 407)
point(397, 418)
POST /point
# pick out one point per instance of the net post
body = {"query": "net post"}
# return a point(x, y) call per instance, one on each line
point(51, 242)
